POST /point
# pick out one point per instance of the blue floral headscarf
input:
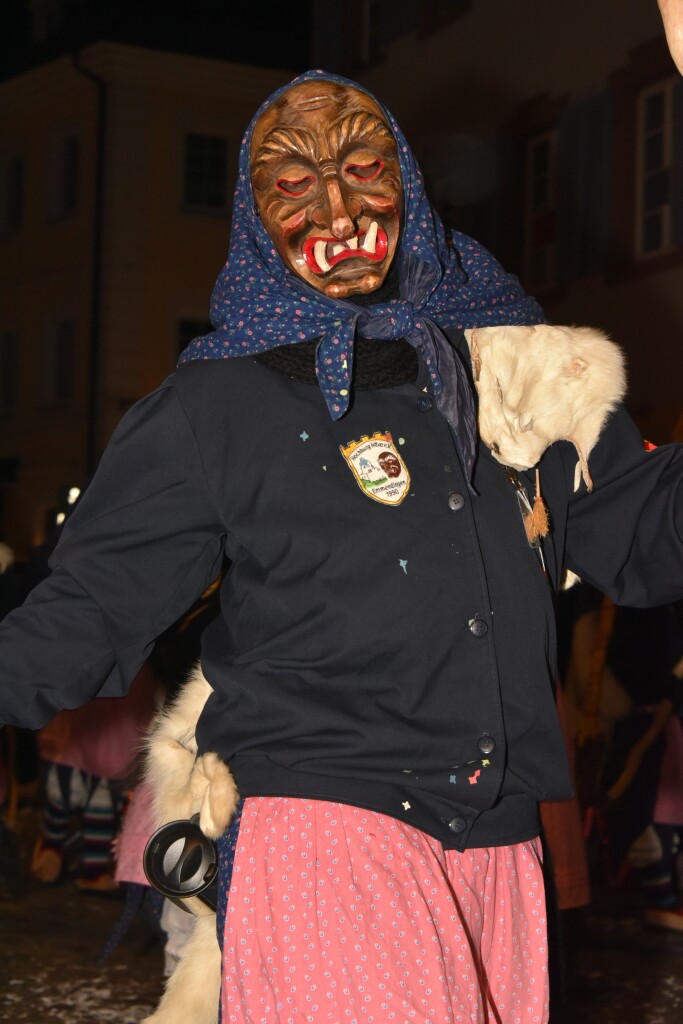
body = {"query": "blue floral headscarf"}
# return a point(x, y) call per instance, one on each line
point(445, 281)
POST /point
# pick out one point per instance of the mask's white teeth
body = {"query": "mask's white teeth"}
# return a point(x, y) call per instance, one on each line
point(370, 240)
point(337, 249)
point(319, 250)
point(353, 242)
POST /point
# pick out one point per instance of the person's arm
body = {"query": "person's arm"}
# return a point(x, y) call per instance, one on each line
point(143, 543)
point(637, 752)
point(626, 536)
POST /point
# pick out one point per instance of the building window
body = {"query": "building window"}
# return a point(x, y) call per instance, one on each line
point(206, 172)
point(540, 211)
point(11, 193)
point(654, 173)
point(188, 330)
point(8, 371)
point(64, 182)
point(57, 365)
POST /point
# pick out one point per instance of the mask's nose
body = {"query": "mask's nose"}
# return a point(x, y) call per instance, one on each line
point(335, 212)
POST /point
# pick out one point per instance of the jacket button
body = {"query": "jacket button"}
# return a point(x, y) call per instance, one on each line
point(455, 501)
point(486, 744)
point(478, 627)
point(424, 403)
point(457, 824)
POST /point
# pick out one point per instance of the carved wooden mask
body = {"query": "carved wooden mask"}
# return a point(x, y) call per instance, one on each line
point(327, 182)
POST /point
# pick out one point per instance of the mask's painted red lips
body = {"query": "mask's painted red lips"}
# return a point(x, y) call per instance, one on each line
point(321, 254)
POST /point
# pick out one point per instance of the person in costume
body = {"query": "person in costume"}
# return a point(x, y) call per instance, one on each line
point(672, 16)
point(382, 668)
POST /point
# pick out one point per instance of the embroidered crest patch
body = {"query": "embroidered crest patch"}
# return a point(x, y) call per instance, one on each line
point(379, 470)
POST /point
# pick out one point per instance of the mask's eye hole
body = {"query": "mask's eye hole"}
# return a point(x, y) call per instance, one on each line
point(365, 172)
point(296, 187)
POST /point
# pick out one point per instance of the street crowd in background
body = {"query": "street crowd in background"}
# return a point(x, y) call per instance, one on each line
point(83, 774)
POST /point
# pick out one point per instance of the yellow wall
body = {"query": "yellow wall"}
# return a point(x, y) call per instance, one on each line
point(159, 262)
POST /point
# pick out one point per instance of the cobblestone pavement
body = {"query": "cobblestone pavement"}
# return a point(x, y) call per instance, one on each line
point(50, 941)
point(626, 972)
point(50, 937)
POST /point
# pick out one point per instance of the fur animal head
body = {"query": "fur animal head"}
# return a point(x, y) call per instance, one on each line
point(538, 385)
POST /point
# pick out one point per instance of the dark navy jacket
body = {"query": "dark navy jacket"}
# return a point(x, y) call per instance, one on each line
point(398, 656)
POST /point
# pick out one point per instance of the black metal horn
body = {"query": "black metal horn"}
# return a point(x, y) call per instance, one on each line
point(180, 861)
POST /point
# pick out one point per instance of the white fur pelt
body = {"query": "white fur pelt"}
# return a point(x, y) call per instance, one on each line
point(185, 785)
point(536, 385)
point(193, 991)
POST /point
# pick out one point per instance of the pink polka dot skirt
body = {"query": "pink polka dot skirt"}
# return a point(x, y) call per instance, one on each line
point(338, 915)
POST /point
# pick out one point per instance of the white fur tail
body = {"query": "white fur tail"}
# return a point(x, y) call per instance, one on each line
point(193, 990)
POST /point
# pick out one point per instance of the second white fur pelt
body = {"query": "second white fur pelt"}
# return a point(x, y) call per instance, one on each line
point(193, 990)
point(185, 784)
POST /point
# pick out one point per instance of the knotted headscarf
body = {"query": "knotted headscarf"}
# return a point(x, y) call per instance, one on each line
point(445, 281)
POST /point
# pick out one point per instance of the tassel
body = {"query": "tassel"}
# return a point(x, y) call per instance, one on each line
point(539, 512)
point(537, 522)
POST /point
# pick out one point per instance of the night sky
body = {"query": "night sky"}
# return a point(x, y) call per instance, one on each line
point(268, 34)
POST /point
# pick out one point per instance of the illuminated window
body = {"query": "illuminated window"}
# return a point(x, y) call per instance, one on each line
point(540, 211)
point(655, 177)
point(206, 172)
